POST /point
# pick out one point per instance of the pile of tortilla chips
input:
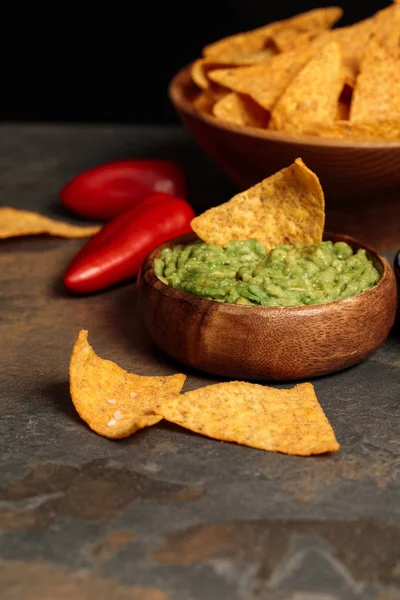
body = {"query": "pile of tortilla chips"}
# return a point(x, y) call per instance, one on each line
point(305, 76)
point(116, 404)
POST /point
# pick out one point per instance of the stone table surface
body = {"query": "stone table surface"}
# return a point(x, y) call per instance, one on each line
point(166, 514)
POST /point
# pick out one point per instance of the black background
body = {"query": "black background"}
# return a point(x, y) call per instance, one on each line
point(113, 62)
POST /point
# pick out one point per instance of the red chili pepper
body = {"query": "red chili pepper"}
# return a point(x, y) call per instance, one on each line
point(116, 253)
point(106, 191)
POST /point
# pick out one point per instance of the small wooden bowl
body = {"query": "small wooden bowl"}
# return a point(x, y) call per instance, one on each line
point(267, 343)
point(347, 169)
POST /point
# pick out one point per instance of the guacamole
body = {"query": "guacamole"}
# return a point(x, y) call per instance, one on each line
point(242, 272)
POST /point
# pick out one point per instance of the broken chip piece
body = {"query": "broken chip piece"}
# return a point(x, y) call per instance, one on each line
point(15, 222)
point(290, 421)
point(286, 208)
point(113, 402)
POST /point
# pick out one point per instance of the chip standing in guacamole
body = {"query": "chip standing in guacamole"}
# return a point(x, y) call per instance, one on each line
point(243, 272)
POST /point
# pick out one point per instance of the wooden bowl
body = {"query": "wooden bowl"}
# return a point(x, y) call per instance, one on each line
point(346, 169)
point(267, 343)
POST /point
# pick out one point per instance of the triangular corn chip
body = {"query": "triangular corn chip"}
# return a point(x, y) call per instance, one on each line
point(377, 91)
point(113, 402)
point(15, 222)
point(240, 110)
point(286, 208)
point(267, 81)
point(313, 94)
point(290, 421)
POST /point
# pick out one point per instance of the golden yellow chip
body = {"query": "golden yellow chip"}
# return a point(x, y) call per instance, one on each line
point(387, 27)
point(113, 402)
point(367, 131)
point(15, 223)
point(241, 110)
point(261, 39)
point(290, 421)
point(286, 208)
point(267, 81)
point(313, 94)
point(199, 71)
point(377, 91)
point(204, 102)
point(289, 39)
point(352, 40)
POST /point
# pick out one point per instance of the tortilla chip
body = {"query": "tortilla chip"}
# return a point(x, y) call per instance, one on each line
point(313, 94)
point(286, 208)
point(113, 402)
point(387, 27)
point(367, 131)
point(261, 39)
point(199, 72)
point(267, 81)
point(377, 91)
point(205, 100)
point(241, 110)
point(289, 39)
point(15, 223)
point(290, 421)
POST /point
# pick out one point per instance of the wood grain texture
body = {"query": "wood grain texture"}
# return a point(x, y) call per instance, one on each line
point(267, 343)
point(348, 171)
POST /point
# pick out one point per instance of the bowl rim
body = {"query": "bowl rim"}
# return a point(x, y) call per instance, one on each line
point(148, 274)
point(177, 96)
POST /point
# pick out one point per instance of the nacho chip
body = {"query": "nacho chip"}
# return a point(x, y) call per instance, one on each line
point(113, 402)
point(241, 110)
point(286, 208)
point(267, 81)
point(199, 72)
point(367, 131)
point(290, 421)
point(206, 99)
point(258, 40)
point(289, 39)
point(15, 223)
point(313, 94)
point(387, 27)
point(204, 102)
point(377, 91)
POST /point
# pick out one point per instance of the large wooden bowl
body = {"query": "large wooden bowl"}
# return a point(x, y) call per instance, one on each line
point(267, 343)
point(347, 169)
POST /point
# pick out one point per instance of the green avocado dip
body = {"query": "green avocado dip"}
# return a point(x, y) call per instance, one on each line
point(242, 272)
